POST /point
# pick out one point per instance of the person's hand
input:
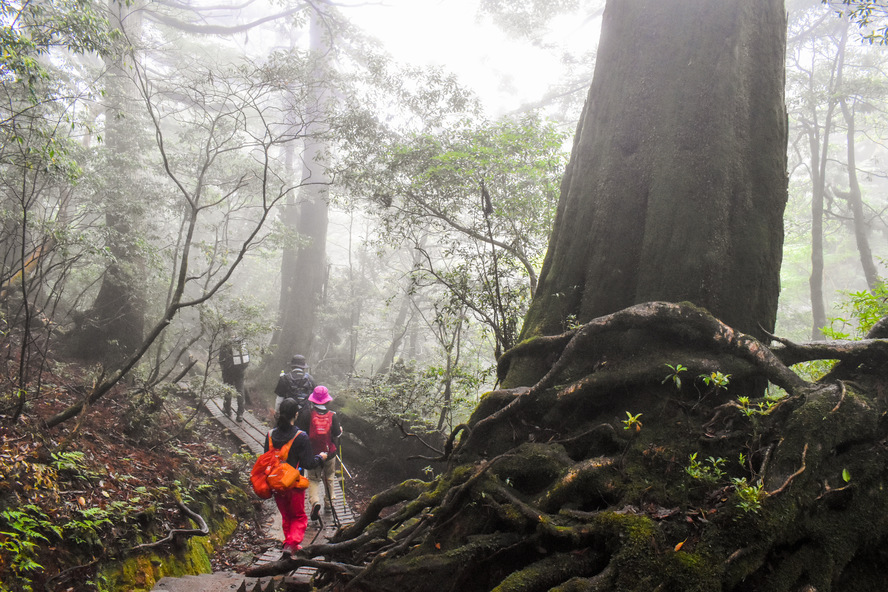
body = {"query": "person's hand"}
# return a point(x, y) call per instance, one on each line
point(323, 456)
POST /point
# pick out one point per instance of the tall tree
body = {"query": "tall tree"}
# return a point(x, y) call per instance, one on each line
point(113, 328)
point(303, 267)
point(676, 183)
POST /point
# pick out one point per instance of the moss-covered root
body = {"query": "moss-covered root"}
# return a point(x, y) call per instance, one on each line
point(552, 571)
point(600, 582)
point(589, 485)
point(405, 491)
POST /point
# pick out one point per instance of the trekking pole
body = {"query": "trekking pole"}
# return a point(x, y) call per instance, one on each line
point(346, 471)
point(329, 492)
point(336, 521)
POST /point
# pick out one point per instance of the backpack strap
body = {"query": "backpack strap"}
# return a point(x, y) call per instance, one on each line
point(285, 449)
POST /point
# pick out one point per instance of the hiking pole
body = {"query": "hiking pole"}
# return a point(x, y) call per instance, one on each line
point(330, 505)
point(345, 470)
point(320, 530)
point(320, 517)
point(336, 521)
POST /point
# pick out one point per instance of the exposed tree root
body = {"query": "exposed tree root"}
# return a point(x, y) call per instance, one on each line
point(408, 490)
point(179, 534)
point(683, 321)
point(792, 476)
point(709, 494)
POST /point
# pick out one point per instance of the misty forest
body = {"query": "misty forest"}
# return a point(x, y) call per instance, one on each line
point(612, 323)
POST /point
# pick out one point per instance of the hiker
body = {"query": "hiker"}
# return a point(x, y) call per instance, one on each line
point(295, 384)
point(291, 502)
point(233, 360)
point(324, 432)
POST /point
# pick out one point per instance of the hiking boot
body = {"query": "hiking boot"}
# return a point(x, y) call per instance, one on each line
point(239, 418)
point(227, 412)
point(316, 512)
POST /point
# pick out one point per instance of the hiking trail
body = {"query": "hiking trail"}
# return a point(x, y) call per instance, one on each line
point(251, 432)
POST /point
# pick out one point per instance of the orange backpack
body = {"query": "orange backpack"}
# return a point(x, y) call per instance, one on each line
point(272, 473)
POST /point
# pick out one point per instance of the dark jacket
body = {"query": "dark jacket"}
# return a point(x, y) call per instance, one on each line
point(300, 452)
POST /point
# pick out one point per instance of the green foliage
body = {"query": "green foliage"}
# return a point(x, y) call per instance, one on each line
point(749, 496)
point(68, 461)
point(762, 407)
point(716, 379)
point(861, 310)
point(22, 531)
point(476, 200)
point(571, 323)
point(30, 30)
point(869, 15)
point(413, 395)
point(632, 421)
point(710, 471)
point(86, 527)
point(674, 375)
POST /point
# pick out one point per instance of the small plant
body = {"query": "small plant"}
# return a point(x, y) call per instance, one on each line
point(87, 528)
point(710, 470)
point(674, 375)
point(764, 407)
point(632, 421)
point(749, 497)
point(68, 461)
point(571, 322)
point(716, 379)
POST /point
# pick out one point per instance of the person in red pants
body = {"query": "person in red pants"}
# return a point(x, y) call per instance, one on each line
point(291, 502)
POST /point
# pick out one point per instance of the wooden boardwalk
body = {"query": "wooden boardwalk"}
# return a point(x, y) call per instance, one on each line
point(252, 433)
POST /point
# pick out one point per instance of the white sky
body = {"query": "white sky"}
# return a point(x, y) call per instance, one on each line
point(506, 73)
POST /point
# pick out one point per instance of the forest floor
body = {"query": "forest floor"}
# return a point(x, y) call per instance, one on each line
point(88, 485)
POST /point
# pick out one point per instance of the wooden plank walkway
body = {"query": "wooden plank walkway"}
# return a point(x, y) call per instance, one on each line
point(252, 432)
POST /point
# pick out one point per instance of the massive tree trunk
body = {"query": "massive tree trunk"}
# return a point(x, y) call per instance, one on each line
point(677, 182)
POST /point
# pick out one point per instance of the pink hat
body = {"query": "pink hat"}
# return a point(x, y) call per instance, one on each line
point(320, 396)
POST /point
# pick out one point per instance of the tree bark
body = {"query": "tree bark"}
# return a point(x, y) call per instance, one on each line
point(303, 269)
point(855, 201)
point(676, 185)
point(115, 324)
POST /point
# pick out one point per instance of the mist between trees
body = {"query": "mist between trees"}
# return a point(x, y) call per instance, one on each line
point(177, 175)
point(173, 175)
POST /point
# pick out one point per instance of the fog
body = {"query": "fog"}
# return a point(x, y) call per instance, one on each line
point(366, 184)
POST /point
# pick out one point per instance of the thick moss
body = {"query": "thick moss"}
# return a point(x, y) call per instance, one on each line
point(552, 570)
point(140, 572)
point(643, 560)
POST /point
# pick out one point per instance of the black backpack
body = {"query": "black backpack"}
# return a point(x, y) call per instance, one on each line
point(298, 387)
